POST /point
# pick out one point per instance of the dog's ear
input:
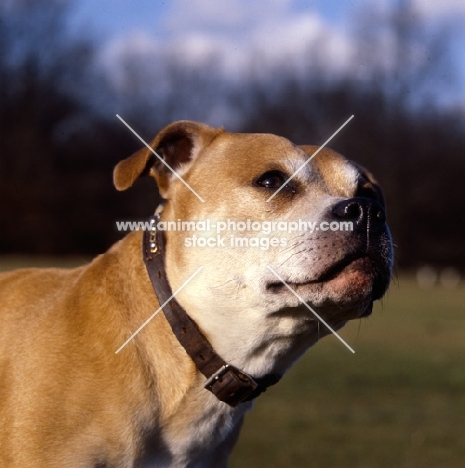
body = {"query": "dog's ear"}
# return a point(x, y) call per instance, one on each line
point(128, 170)
point(178, 145)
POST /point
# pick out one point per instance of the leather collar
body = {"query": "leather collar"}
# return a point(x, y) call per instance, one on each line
point(225, 381)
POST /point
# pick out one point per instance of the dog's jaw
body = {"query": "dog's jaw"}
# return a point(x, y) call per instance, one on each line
point(252, 322)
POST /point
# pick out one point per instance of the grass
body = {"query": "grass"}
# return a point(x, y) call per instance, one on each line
point(399, 401)
point(12, 262)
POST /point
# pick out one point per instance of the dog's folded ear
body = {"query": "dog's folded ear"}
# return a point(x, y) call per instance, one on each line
point(176, 147)
point(128, 170)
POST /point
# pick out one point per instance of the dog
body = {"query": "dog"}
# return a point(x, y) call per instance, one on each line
point(234, 319)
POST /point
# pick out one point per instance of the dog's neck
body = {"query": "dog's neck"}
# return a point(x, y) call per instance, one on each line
point(225, 381)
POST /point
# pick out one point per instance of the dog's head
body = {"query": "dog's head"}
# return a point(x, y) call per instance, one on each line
point(339, 264)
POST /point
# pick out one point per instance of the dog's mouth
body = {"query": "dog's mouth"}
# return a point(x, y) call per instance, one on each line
point(352, 279)
point(350, 262)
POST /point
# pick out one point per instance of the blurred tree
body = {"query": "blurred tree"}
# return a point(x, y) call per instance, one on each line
point(413, 145)
point(412, 133)
point(51, 135)
point(58, 144)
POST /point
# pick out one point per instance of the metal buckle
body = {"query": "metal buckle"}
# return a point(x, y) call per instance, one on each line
point(216, 376)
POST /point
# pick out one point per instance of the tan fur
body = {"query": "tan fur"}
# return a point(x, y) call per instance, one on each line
point(68, 401)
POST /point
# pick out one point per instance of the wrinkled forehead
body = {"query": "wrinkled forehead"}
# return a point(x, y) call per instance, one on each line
point(249, 155)
point(340, 176)
point(257, 149)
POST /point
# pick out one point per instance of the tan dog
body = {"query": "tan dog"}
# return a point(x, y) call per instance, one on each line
point(68, 401)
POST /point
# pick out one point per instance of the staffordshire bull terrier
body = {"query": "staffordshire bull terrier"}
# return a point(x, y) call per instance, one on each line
point(236, 315)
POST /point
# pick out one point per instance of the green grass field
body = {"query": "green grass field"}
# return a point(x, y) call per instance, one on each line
point(398, 402)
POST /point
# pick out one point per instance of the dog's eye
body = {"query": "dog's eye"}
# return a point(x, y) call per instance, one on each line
point(271, 180)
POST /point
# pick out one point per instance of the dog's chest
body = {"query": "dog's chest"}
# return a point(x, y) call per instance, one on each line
point(202, 439)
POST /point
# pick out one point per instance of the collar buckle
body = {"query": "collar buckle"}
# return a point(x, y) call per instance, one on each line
point(216, 376)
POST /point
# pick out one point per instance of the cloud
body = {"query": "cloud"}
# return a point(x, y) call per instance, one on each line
point(239, 29)
point(240, 35)
point(440, 9)
point(223, 16)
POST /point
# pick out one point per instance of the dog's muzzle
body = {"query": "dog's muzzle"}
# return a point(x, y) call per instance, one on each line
point(370, 237)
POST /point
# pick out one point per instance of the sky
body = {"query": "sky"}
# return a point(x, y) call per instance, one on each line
point(275, 30)
point(200, 26)
point(116, 17)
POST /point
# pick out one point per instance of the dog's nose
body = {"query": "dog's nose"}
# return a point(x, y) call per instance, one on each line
point(363, 212)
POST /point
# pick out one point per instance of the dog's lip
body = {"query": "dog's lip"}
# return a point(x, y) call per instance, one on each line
point(334, 270)
point(330, 273)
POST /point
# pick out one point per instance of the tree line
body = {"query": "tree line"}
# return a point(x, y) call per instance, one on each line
point(60, 138)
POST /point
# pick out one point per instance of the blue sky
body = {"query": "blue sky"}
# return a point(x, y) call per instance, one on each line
point(116, 17)
point(276, 31)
